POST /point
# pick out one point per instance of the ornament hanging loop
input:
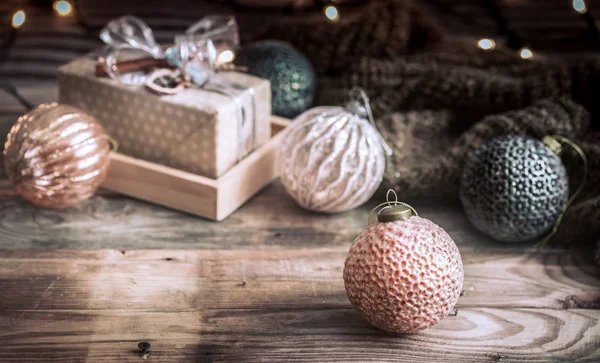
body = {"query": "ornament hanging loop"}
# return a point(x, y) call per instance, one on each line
point(554, 142)
point(113, 143)
point(387, 197)
point(361, 105)
point(389, 205)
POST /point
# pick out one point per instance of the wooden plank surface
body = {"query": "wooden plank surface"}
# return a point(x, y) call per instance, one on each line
point(192, 306)
point(312, 335)
point(271, 220)
point(203, 279)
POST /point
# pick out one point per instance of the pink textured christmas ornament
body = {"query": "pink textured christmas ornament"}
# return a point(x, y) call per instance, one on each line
point(404, 273)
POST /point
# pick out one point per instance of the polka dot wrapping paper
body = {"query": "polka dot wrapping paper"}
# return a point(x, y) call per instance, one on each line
point(195, 130)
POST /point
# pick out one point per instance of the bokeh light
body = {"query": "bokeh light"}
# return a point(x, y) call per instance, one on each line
point(331, 12)
point(579, 6)
point(62, 7)
point(226, 57)
point(526, 53)
point(486, 44)
point(18, 19)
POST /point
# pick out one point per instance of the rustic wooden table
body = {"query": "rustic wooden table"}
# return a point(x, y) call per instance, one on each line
point(88, 284)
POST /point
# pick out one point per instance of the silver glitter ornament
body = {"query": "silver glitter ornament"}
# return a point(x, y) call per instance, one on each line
point(332, 159)
point(514, 188)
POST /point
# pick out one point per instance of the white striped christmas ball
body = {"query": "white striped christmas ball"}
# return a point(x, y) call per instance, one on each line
point(331, 160)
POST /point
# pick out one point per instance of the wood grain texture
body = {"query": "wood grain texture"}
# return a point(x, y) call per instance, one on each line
point(272, 220)
point(88, 306)
point(310, 335)
point(284, 279)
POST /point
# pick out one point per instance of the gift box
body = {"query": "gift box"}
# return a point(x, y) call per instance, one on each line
point(197, 130)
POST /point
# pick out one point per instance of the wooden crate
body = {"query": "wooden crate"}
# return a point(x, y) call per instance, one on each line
point(211, 198)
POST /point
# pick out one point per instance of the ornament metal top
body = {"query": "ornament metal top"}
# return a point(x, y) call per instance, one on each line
point(332, 159)
point(515, 188)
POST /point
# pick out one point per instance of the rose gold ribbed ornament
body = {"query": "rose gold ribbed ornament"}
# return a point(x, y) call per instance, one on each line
point(404, 273)
point(332, 159)
point(56, 156)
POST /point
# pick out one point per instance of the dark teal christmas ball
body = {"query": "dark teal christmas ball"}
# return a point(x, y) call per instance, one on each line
point(292, 77)
point(513, 188)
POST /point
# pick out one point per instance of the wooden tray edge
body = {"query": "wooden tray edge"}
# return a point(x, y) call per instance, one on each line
point(214, 199)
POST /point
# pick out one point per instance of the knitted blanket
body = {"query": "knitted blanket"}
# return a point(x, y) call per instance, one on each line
point(437, 98)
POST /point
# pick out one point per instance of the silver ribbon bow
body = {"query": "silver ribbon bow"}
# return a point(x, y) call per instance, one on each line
point(193, 54)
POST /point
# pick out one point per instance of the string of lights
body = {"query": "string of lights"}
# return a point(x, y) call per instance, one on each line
point(63, 8)
point(18, 18)
point(66, 8)
point(581, 8)
point(513, 41)
point(495, 10)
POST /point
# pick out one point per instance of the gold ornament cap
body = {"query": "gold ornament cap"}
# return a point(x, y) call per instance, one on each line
point(392, 210)
point(553, 144)
point(394, 213)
